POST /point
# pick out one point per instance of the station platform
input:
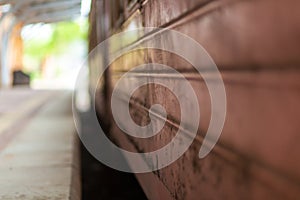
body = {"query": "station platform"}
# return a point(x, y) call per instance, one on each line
point(39, 149)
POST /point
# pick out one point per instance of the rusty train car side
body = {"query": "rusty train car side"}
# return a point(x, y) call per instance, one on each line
point(255, 45)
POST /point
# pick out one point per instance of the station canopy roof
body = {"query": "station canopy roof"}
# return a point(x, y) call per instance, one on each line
point(42, 11)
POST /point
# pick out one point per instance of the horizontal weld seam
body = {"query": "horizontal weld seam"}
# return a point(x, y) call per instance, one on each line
point(231, 156)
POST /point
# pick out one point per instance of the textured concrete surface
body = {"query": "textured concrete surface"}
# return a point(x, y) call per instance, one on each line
point(38, 157)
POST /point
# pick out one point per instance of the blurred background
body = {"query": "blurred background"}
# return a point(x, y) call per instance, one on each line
point(47, 45)
point(43, 45)
point(52, 53)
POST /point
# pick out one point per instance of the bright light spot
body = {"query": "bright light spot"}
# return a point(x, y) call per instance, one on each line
point(40, 31)
point(132, 26)
point(5, 8)
point(85, 7)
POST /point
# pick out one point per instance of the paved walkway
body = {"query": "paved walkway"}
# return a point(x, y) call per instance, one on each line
point(38, 147)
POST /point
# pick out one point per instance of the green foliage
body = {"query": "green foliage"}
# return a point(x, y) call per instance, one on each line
point(63, 33)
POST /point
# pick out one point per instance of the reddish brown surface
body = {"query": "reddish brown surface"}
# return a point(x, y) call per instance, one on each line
point(255, 44)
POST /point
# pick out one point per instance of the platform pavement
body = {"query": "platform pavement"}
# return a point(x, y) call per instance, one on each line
point(39, 157)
